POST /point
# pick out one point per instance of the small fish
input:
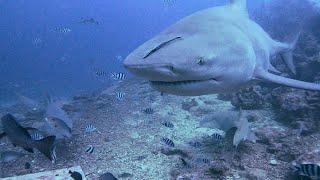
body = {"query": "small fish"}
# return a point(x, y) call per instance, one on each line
point(148, 111)
point(101, 73)
point(195, 144)
point(37, 136)
point(118, 76)
point(168, 124)
point(62, 30)
point(90, 128)
point(90, 149)
point(75, 175)
point(54, 155)
point(89, 21)
point(185, 163)
point(107, 176)
point(204, 160)
point(37, 41)
point(310, 170)
point(119, 58)
point(8, 156)
point(168, 142)
point(217, 137)
point(19, 136)
point(120, 96)
point(27, 165)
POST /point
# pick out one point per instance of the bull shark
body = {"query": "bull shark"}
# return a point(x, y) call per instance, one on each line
point(215, 50)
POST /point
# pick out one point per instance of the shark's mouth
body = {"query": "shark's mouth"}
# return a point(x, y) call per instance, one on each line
point(178, 83)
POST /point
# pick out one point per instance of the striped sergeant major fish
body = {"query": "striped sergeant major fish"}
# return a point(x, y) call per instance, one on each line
point(120, 96)
point(308, 169)
point(118, 76)
point(90, 149)
point(37, 136)
point(90, 128)
point(217, 137)
point(167, 141)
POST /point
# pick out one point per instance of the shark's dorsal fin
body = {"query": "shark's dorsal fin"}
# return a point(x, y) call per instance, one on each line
point(240, 5)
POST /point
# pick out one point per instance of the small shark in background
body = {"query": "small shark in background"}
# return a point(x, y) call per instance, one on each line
point(28, 102)
point(57, 122)
point(88, 21)
point(216, 50)
point(19, 136)
point(226, 120)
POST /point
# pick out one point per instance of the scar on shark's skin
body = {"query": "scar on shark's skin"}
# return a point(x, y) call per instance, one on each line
point(161, 46)
point(216, 50)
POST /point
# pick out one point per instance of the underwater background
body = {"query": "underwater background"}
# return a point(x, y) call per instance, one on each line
point(57, 57)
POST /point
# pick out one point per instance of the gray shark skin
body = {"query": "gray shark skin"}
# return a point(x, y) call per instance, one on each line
point(212, 51)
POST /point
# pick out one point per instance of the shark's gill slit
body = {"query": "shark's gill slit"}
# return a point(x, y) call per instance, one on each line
point(161, 46)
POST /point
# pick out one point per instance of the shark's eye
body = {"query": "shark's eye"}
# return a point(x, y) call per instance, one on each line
point(200, 60)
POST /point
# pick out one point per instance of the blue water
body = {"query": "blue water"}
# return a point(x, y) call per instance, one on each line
point(62, 64)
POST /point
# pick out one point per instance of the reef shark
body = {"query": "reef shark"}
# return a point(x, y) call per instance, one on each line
point(215, 50)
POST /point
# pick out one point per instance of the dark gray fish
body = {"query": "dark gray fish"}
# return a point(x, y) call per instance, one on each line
point(118, 76)
point(148, 111)
point(27, 165)
point(107, 176)
point(168, 142)
point(8, 156)
point(89, 21)
point(310, 170)
point(75, 175)
point(19, 136)
point(90, 149)
point(168, 124)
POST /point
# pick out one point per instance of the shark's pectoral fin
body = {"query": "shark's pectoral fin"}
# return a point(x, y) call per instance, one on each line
point(273, 69)
point(287, 57)
point(266, 76)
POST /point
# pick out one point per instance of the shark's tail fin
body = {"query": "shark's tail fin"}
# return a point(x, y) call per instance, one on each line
point(287, 54)
point(46, 146)
point(260, 74)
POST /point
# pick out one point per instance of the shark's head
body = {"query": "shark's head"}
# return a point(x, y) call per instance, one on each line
point(182, 65)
